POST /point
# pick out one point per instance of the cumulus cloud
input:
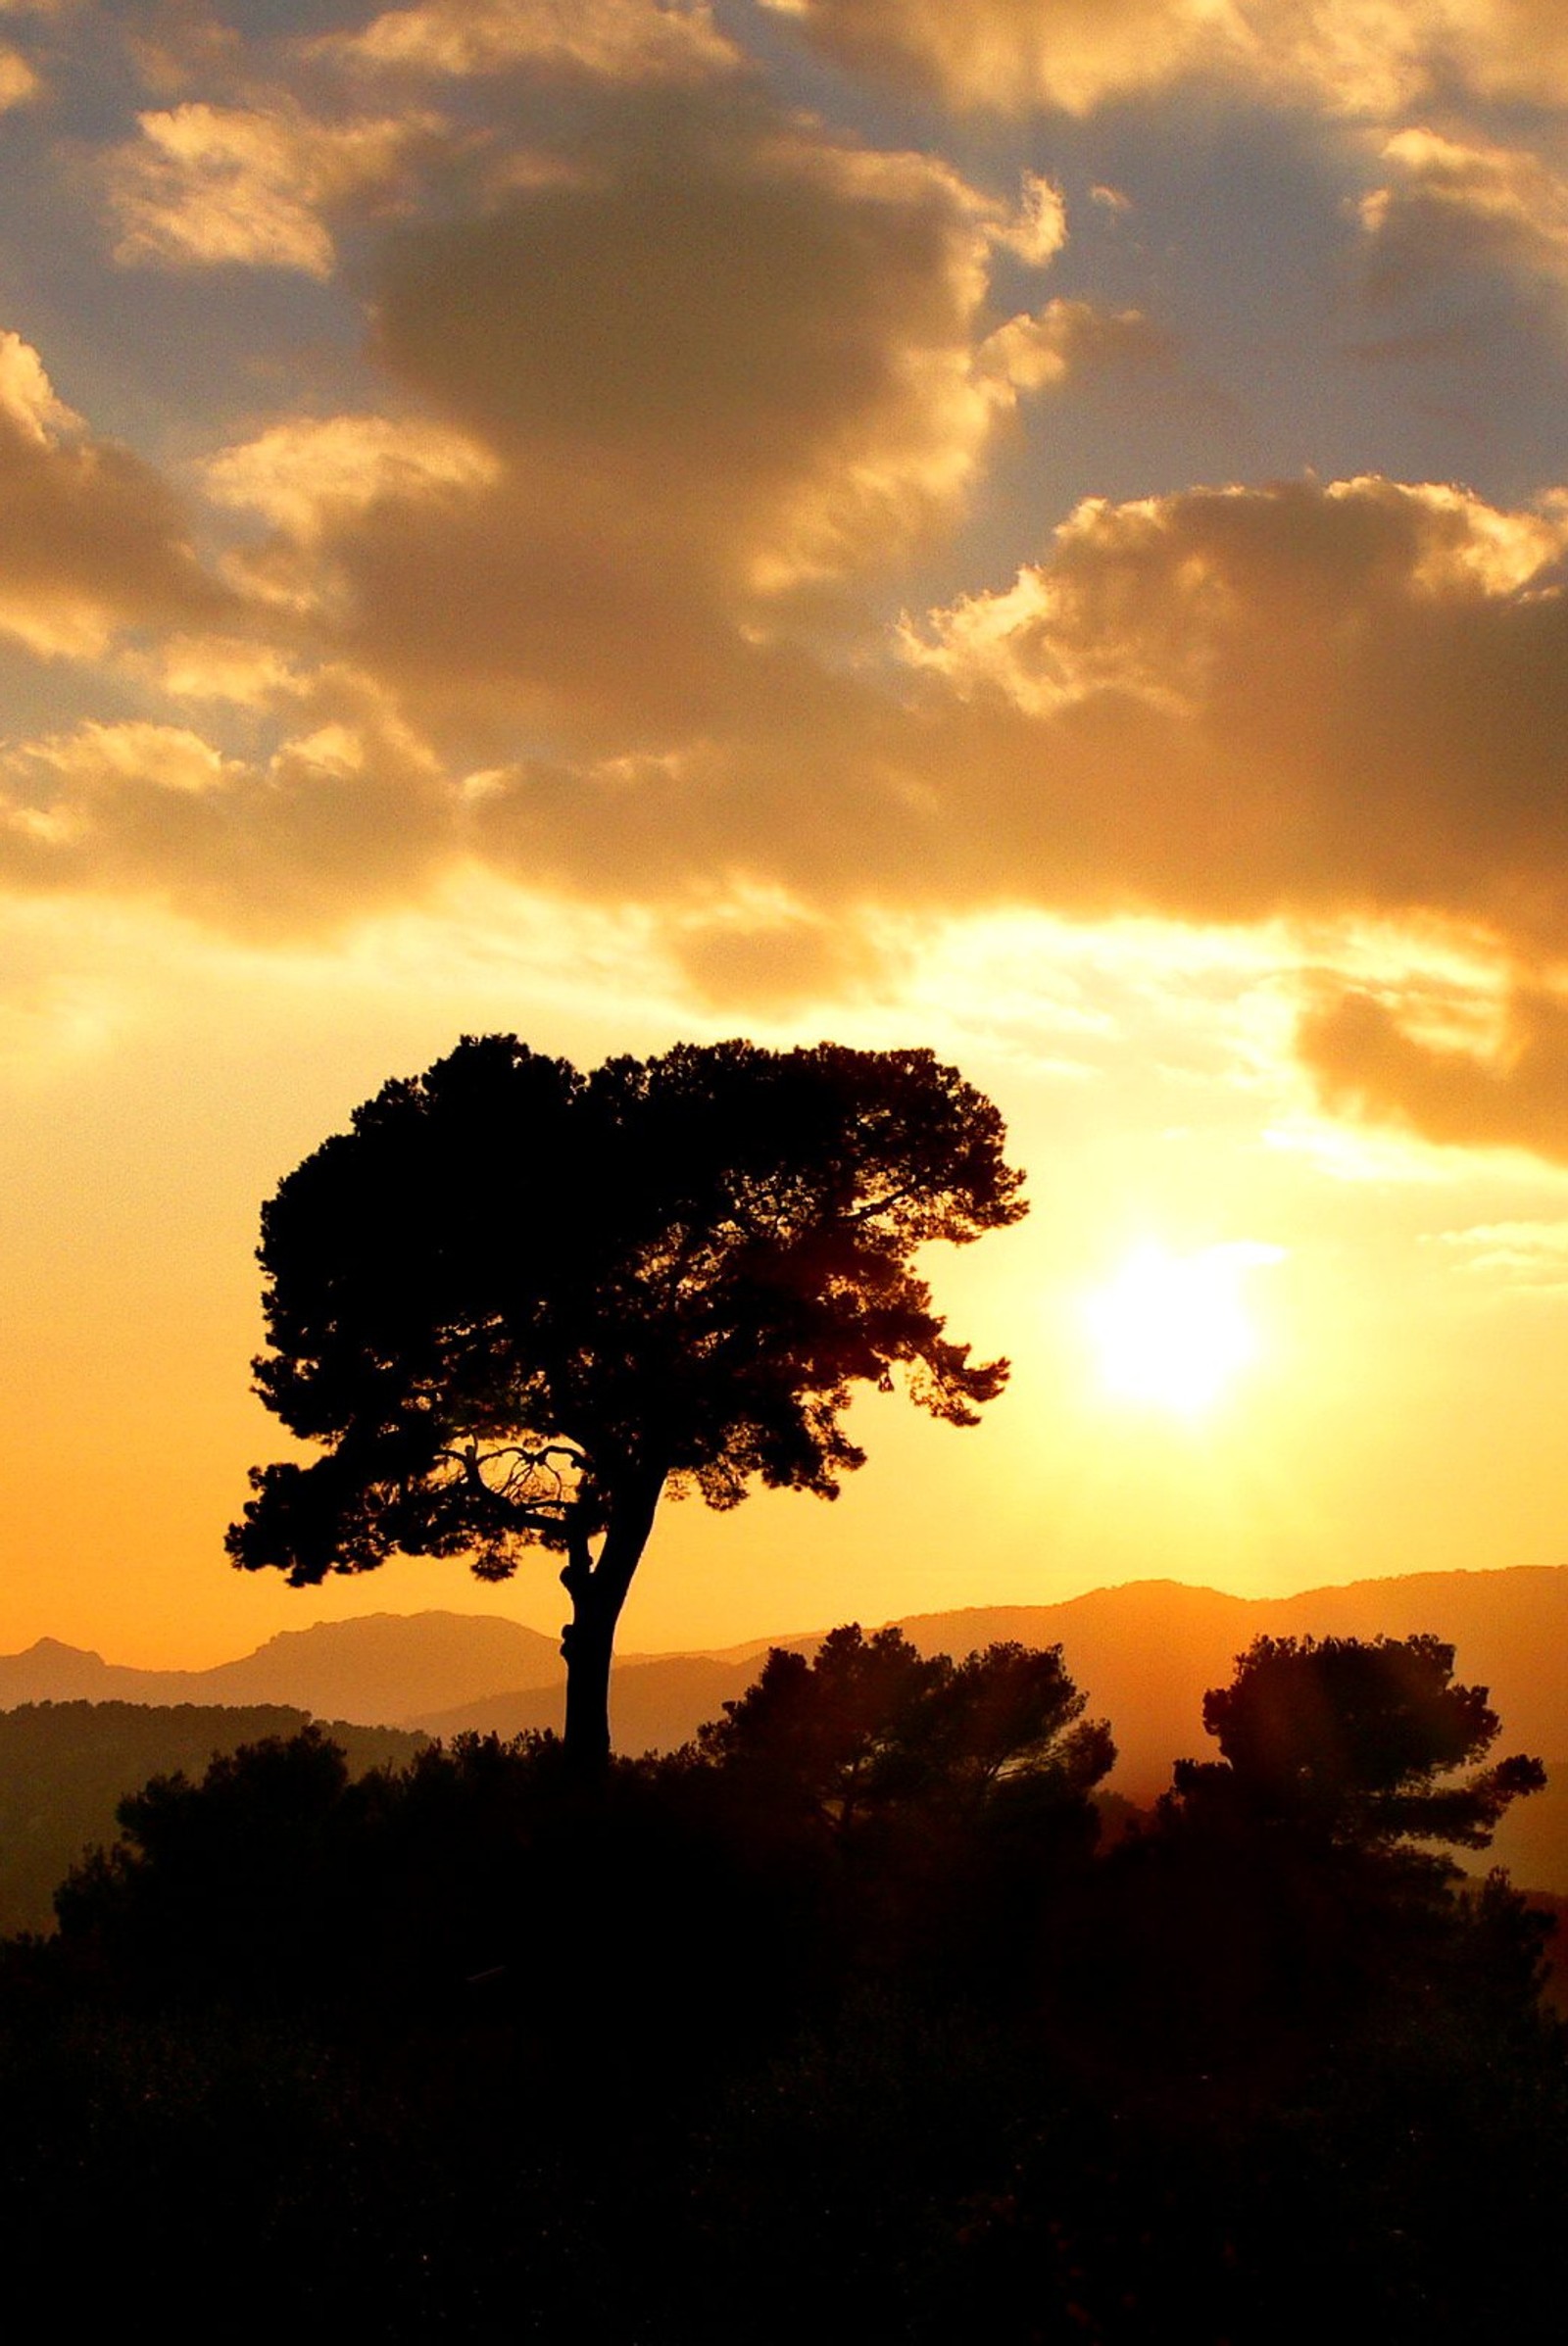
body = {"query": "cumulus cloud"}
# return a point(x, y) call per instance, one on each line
point(620, 40)
point(1367, 1063)
point(1304, 701)
point(1073, 339)
point(1457, 202)
point(769, 335)
point(1038, 230)
point(663, 402)
point(249, 186)
point(92, 539)
point(306, 473)
point(336, 822)
point(1311, 703)
point(1369, 57)
point(1013, 55)
point(1337, 698)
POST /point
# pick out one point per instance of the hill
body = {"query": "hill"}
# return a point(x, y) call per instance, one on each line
point(66, 1766)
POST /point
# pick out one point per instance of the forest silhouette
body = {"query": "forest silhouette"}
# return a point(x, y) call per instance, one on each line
point(849, 2002)
point(864, 2011)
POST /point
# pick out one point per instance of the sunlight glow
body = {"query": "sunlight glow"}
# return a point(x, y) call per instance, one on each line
point(1173, 1330)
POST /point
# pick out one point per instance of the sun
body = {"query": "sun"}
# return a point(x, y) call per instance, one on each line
point(1173, 1331)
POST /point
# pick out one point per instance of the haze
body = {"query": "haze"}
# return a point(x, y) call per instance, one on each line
point(1037, 533)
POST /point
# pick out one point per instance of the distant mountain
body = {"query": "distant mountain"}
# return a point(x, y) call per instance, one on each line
point(375, 1672)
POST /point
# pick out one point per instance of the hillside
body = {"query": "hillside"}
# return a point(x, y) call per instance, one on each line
point(66, 1766)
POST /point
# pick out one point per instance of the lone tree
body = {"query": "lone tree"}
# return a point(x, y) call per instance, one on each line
point(516, 1304)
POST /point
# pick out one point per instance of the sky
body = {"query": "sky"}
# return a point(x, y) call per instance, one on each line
point(1032, 527)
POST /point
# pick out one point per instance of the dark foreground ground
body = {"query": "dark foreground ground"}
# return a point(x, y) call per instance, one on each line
point(693, 2056)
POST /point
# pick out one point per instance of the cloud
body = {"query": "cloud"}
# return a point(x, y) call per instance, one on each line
point(1367, 1064)
point(335, 823)
point(1359, 57)
point(660, 412)
point(231, 669)
point(1311, 703)
point(308, 472)
point(1073, 339)
point(1528, 1256)
point(1464, 203)
point(91, 540)
point(1014, 55)
point(1038, 230)
point(1325, 699)
point(766, 340)
point(1314, 704)
point(19, 83)
point(618, 40)
point(248, 186)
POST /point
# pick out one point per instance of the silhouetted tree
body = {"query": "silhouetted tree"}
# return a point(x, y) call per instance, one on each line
point(932, 1811)
point(870, 1723)
point(1349, 1739)
point(516, 1303)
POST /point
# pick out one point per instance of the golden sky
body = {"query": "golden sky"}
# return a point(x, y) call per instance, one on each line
point(1038, 530)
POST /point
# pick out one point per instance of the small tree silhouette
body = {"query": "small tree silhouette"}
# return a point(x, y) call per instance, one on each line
point(870, 1723)
point(1349, 1739)
point(517, 1303)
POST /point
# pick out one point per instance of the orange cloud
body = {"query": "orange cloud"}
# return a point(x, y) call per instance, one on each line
point(19, 83)
point(336, 822)
point(1314, 704)
point(249, 186)
point(1232, 702)
point(1366, 1064)
point(671, 406)
point(618, 40)
point(1366, 57)
point(311, 473)
point(1463, 201)
point(92, 539)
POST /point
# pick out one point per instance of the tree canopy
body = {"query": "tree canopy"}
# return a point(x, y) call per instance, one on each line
point(516, 1304)
point(1352, 1739)
point(870, 1723)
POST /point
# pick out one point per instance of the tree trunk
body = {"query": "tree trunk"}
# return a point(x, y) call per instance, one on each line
point(598, 1591)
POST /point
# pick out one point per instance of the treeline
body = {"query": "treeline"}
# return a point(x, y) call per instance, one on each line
point(840, 2020)
point(65, 1768)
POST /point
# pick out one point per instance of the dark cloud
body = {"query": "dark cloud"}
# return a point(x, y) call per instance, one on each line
point(1367, 1064)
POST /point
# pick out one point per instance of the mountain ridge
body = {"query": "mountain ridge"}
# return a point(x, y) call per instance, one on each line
point(372, 1672)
